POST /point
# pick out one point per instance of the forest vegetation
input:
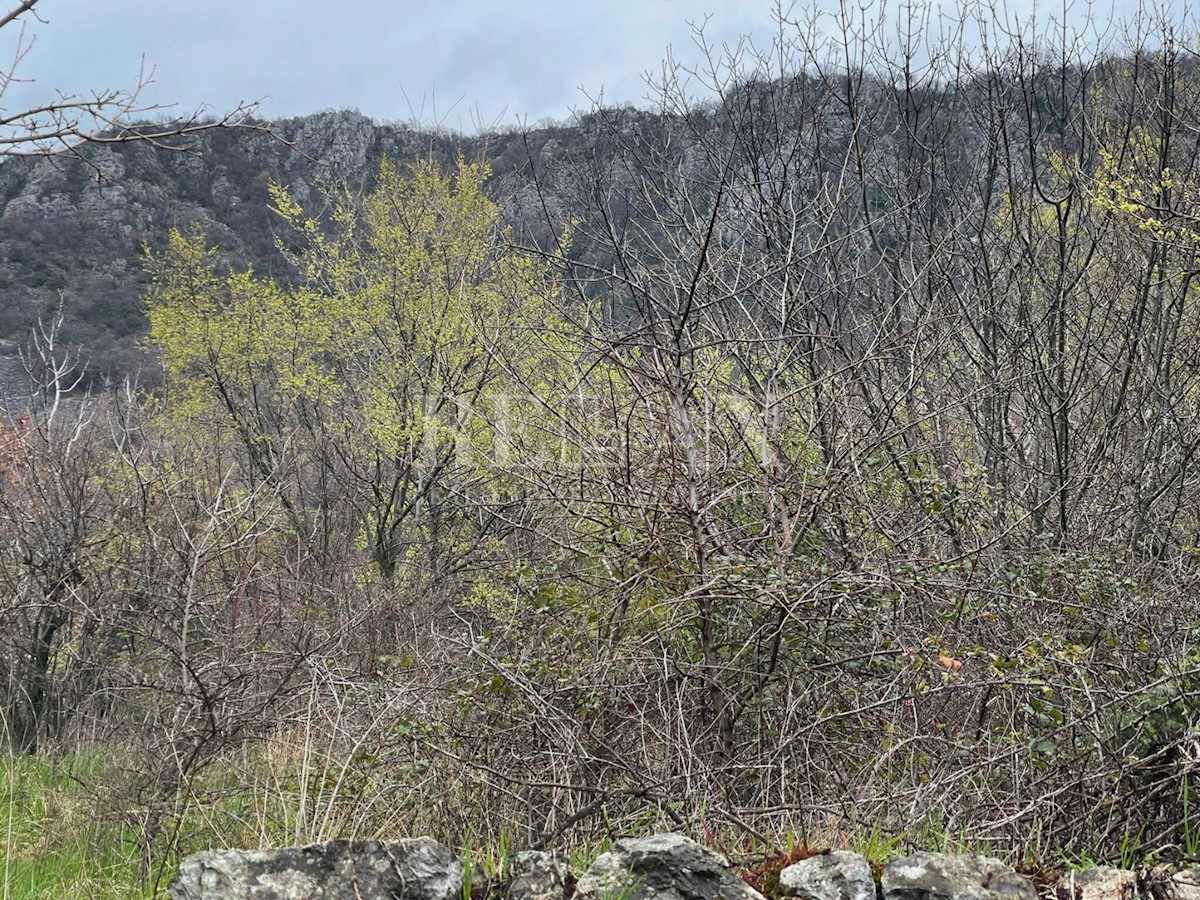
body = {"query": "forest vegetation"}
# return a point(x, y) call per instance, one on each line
point(813, 454)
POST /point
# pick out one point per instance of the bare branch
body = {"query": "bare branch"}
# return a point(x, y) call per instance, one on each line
point(66, 125)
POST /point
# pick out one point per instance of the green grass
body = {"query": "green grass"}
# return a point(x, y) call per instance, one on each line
point(876, 845)
point(59, 837)
point(1190, 828)
point(54, 844)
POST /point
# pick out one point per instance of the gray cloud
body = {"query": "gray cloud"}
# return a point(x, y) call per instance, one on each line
point(471, 59)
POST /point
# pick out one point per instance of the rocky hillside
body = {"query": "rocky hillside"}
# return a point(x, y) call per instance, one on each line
point(74, 235)
point(868, 152)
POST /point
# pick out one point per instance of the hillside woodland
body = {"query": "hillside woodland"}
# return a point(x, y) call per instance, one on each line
point(815, 451)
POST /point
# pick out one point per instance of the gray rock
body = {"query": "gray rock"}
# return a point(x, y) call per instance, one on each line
point(1099, 883)
point(414, 869)
point(1184, 884)
point(837, 875)
point(537, 875)
point(941, 876)
point(662, 867)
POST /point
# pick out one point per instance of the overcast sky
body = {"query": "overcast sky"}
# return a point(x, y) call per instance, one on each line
point(463, 61)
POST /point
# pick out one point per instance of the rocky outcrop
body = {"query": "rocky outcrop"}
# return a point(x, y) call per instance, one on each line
point(838, 875)
point(416, 869)
point(1183, 885)
point(660, 867)
point(1099, 883)
point(75, 232)
point(536, 875)
point(943, 876)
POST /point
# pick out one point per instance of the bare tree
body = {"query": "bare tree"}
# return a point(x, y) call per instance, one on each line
point(886, 354)
point(65, 124)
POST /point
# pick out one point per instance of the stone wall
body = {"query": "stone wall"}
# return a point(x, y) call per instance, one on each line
point(660, 867)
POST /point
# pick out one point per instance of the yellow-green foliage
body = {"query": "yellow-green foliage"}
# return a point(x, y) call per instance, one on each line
point(409, 296)
point(1135, 183)
point(399, 352)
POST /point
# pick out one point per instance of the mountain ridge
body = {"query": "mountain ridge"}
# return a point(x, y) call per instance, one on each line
point(74, 234)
